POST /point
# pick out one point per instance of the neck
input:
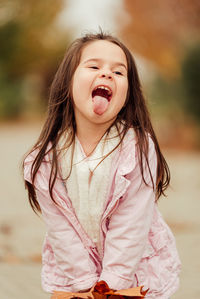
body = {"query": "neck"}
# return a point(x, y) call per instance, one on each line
point(89, 134)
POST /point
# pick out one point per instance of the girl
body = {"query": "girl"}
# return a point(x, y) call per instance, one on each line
point(96, 173)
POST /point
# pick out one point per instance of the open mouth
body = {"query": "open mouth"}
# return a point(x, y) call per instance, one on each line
point(102, 91)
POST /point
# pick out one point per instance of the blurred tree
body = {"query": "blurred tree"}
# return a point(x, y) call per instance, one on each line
point(159, 30)
point(162, 32)
point(30, 44)
point(191, 81)
point(175, 104)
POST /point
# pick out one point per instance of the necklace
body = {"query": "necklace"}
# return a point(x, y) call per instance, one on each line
point(90, 176)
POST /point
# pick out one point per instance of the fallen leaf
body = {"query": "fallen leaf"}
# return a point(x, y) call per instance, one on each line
point(68, 295)
point(102, 291)
point(11, 259)
point(5, 229)
point(36, 258)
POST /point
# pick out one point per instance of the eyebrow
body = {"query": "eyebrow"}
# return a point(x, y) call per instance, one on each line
point(99, 60)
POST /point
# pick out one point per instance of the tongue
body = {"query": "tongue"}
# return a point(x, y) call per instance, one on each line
point(100, 104)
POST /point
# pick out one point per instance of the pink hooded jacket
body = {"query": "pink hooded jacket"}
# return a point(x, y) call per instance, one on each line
point(137, 246)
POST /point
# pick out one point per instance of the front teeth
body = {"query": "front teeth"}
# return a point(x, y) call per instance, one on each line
point(106, 88)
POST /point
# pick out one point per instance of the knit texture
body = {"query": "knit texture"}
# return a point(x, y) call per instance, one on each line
point(87, 185)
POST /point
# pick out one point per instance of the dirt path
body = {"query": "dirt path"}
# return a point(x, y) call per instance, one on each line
point(21, 232)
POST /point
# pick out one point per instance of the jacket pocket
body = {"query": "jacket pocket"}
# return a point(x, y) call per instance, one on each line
point(157, 269)
point(51, 272)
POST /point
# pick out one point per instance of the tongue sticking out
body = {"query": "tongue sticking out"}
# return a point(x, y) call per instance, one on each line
point(100, 104)
point(101, 97)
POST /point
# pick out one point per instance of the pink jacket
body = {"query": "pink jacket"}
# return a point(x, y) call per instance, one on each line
point(138, 247)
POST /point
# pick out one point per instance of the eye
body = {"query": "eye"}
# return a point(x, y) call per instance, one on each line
point(94, 67)
point(118, 73)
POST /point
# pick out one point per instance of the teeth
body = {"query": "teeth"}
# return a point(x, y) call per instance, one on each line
point(106, 88)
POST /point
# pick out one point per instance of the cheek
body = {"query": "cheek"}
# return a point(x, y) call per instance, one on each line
point(79, 84)
point(123, 95)
point(76, 87)
point(124, 90)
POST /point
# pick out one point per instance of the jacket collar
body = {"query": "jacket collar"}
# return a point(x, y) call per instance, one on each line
point(122, 165)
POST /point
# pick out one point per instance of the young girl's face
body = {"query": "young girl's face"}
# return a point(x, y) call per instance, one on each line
point(100, 83)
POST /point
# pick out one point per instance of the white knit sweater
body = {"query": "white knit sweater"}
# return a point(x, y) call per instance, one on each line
point(88, 195)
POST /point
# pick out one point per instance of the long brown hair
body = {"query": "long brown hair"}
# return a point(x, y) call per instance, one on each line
point(60, 117)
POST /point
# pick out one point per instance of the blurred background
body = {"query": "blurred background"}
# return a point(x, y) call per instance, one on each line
point(164, 39)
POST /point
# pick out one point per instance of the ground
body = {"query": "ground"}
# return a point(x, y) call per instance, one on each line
point(22, 232)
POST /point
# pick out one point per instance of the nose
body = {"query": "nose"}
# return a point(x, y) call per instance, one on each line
point(106, 74)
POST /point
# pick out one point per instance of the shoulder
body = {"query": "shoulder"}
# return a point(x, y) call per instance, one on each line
point(131, 137)
point(30, 157)
point(27, 165)
point(130, 155)
point(131, 142)
point(29, 161)
point(126, 153)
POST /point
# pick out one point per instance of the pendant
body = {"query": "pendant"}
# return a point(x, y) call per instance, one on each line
point(90, 176)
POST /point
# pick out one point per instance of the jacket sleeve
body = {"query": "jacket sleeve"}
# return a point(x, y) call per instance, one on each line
point(129, 227)
point(72, 258)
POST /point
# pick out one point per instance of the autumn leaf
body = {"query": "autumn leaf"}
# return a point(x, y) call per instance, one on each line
point(101, 287)
point(102, 291)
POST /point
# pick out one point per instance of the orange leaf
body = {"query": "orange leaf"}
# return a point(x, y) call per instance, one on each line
point(102, 291)
point(101, 287)
point(69, 295)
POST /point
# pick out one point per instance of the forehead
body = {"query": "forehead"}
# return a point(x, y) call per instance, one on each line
point(103, 50)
